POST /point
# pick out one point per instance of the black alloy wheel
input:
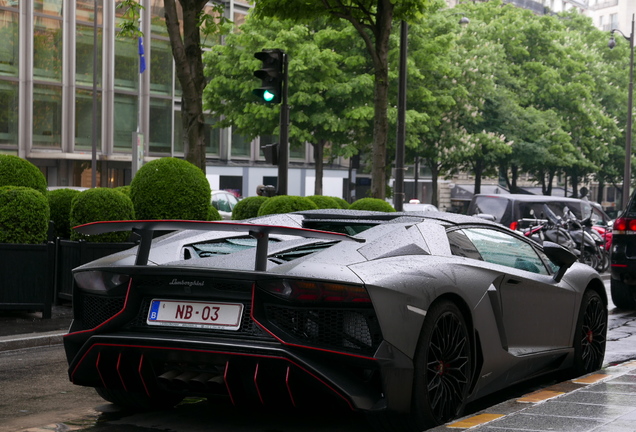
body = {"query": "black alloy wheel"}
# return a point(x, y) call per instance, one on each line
point(443, 366)
point(590, 335)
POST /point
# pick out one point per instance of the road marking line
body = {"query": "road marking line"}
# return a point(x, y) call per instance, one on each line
point(474, 421)
point(539, 396)
point(591, 379)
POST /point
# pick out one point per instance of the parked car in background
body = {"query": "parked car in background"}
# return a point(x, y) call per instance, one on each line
point(623, 257)
point(415, 205)
point(408, 320)
point(509, 209)
point(224, 202)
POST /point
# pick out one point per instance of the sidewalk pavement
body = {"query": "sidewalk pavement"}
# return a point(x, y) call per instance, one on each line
point(604, 401)
point(22, 329)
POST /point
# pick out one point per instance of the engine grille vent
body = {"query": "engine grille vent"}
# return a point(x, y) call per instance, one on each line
point(95, 310)
point(349, 330)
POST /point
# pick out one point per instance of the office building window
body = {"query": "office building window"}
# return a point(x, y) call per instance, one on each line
point(160, 125)
point(49, 7)
point(9, 48)
point(212, 135)
point(47, 116)
point(8, 114)
point(161, 67)
point(47, 49)
point(84, 51)
point(84, 119)
point(240, 145)
point(125, 121)
point(126, 64)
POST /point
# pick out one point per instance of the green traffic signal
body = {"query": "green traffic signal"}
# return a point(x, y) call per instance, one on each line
point(268, 96)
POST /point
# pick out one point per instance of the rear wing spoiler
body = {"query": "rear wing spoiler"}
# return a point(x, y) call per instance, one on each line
point(145, 229)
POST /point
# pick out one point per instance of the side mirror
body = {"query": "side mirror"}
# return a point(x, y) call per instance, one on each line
point(560, 256)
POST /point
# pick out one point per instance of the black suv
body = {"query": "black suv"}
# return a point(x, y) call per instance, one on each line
point(623, 258)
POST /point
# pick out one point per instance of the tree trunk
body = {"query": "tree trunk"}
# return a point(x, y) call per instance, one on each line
point(187, 55)
point(319, 150)
point(478, 170)
point(378, 48)
point(434, 184)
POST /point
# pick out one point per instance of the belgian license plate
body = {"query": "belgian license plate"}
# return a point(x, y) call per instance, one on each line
point(206, 315)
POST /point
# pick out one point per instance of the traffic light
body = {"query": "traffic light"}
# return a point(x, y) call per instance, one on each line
point(272, 75)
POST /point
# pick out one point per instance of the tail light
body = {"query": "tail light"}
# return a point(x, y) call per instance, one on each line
point(101, 282)
point(314, 291)
point(514, 225)
point(624, 226)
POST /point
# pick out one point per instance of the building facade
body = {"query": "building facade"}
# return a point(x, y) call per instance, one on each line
point(50, 115)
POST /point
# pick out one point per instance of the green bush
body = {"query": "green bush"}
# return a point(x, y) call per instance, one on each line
point(247, 208)
point(170, 188)
point(372, 204)
point(285, 204)
point(101, 204)
point(214, 214)
point(343, 203)
point(124, 189)
point(60, 204)
point(24, 215)
point(324, 202)
point(15, 171)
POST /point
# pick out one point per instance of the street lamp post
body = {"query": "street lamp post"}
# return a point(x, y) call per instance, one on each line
point(627, 174)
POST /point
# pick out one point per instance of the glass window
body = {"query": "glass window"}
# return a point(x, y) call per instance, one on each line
point(84, 50)
point(8, 113)
point(85, 10)
point(297, 152)
point(49, 7)
point(47, 116)
point(240, 145)
point(161, 67)
point(126, 63)
point(160, 138)
point(501, 248)
point(158, 20)
point(9, 48)
point(212, 135)
point(461, 246)
point(47, 49)
point(84, 119)
point(125, 122)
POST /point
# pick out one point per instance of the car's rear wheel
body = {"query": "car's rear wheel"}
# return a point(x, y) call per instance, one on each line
point(622, 295)
point(442, 366)
point(139, 401)
point(590, 335)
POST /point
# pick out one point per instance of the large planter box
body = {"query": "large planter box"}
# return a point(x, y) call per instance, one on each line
point(26, 277)
point(71, 254)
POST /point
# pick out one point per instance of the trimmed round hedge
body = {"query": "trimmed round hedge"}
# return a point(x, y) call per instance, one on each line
point(15, 171)
point(214, 214)
point(247, 208)
point(101, 204)
point(286, 204)
point(24, 215)
point(60, 201)
point(170, 188)
point(372, 204)
point(343, 203)
point(324, 202)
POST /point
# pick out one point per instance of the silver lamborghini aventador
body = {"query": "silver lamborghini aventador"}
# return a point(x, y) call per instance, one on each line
point(404, 317)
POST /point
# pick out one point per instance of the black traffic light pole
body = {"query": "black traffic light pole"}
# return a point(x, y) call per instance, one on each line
point(283, 146)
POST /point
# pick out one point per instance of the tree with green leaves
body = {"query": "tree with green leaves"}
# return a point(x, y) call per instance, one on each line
point(373, 21)
point(330, 85)
point(185, 39)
